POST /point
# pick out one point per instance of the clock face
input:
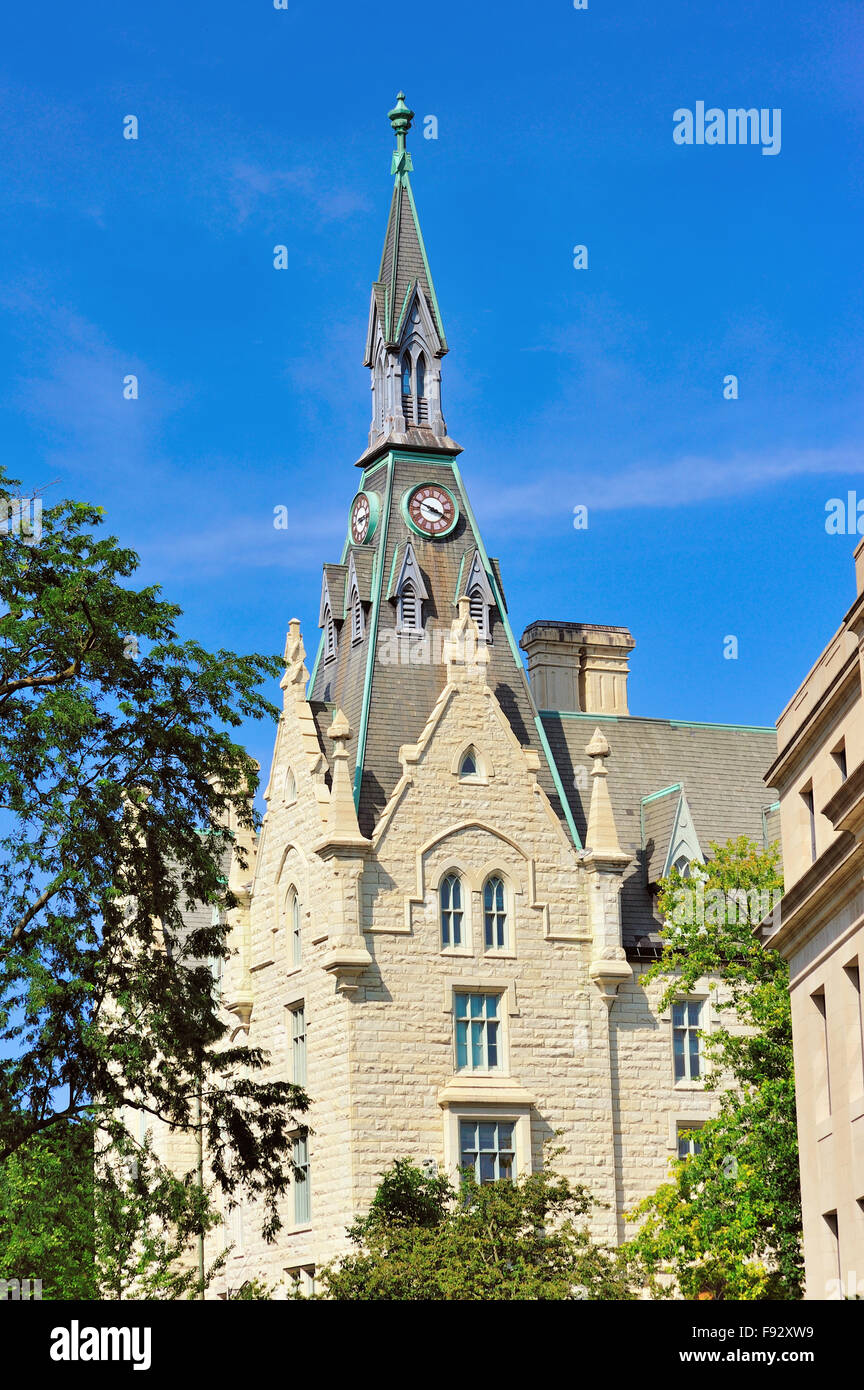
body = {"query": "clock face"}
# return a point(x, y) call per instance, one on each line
point(364, 517)
point(431, 510)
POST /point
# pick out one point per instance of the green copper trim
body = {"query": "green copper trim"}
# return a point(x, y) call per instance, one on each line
point(517, 657)
point(675, 787)
point(459, 579)
point(392, 571)
point(650, 719)
point(367, 472)
point(408, 294)
point(429, 279)
point(406, 515)
point(372, 632)
point(374, 517)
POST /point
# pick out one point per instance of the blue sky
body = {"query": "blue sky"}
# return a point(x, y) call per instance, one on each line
point(601, 387)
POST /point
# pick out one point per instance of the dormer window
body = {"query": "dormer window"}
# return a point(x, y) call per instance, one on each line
point(410, 609)
point(329, 635)
point(409, 591)
point(357, 624)
point(481, 599)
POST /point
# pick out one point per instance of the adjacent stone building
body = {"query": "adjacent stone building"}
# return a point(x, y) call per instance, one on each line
point(452, 904)
point(819, 772)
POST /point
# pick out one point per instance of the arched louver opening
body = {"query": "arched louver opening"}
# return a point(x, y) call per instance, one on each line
point(329, 635)
point(494, 914)
point(407, 400)
point(356, 618)
point(422, 403)
point(479, 611)
point(450, 896)
point(409, 608)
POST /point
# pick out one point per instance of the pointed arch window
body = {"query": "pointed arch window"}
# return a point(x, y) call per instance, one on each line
point(422, 403)
point(494, 914)
point(290, 791)
point(406, 376)
point(450, 898)
point(329, 634)
point(468, 765)
point(294, 926)
point(410, 609)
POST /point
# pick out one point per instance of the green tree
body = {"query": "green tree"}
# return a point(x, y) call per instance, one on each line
point(119, 780)
point(423, 1240)
point(147, 1221)
point(47, 1212)
point(728, 1223)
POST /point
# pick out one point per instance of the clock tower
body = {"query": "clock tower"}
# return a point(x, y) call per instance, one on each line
point(412, 547)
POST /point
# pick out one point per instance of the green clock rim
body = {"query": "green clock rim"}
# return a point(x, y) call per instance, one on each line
point(374, 515)
point(406, 515)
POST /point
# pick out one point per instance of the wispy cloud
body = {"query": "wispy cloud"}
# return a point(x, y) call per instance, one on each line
point(254, 188)
point(688, 481)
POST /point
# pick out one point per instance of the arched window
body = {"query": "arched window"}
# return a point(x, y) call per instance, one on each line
point(682, 864)
point(421, 375)
point(290, 788)
point(329, 635)
point(450, 896)
point(293, 917)
point(406, 375)
point(494, 914)
point(468, 765)
point(409, 608)
point(479, 609)
point(356, 618)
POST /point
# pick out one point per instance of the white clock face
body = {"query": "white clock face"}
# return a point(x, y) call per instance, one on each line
point(364, 515)
point(432, 511)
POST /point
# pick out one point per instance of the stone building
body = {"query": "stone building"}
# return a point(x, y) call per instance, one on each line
point(819, 772)
point(453, 897)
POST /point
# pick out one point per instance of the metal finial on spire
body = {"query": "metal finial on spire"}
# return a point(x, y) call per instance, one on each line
point(400, 118)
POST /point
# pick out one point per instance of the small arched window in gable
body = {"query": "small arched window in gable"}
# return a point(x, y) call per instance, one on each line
point(450, 898)
point(422, 403)
point(479, 610)
point(410, 609)
point(292, 904)
point(494, 914)
point(682, 864)
point(329, 634)
point(356, 618)
point(290, 790)
point(406, 375)
point(468, 768)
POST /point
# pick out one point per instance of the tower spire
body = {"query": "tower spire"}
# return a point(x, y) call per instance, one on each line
point(405, 342)
point(400, 118)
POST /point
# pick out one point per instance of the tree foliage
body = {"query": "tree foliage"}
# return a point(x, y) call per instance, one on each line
point(422, 1239)
point(119, 780)
point(47, 1212)
point(728, 1224)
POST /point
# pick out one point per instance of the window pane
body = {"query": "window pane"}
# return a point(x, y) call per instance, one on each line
point(477, 1002)
point(456, 886)
point(694, 1055)
point(678, 1015)
point(476, 1044)
point(487, 1136)
point(457, 928)
point(487, 1168)
point(505, 1136)
point(492, 1044)
point(695, 1010)
point(461, 1044)
point(491, 1005)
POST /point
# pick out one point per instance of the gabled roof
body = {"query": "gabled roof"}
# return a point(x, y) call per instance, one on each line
point(361, 565)
point(408, 569)
point(333, 592)
point(721, 766)
point(668, 832)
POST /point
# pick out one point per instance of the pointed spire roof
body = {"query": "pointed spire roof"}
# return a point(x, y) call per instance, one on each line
point(404, 264)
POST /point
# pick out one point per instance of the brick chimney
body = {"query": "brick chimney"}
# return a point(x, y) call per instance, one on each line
point(578, 666)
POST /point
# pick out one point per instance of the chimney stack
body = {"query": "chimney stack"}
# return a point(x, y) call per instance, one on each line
point(578, 666)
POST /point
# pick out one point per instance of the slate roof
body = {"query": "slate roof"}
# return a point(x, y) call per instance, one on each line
point(721, 768)
point(658, 822)
point(403, 264)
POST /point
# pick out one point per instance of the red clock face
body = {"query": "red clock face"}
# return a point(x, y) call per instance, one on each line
point(432, 510)
point(360, 516)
